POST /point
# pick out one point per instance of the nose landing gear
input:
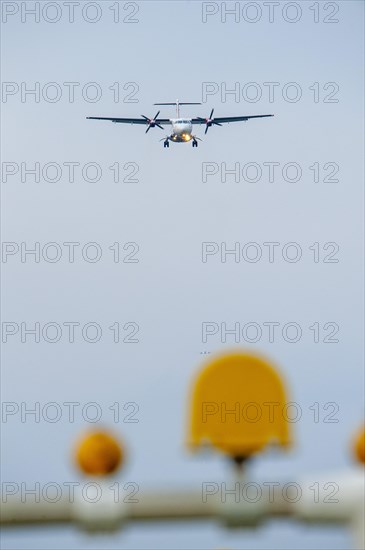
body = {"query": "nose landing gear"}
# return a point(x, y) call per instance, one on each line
point(166, 143)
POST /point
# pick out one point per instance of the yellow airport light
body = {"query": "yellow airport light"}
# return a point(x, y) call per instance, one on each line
point(99, 453)
point(359, 446)
point(239, 406)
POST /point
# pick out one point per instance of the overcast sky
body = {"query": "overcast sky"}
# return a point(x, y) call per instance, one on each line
point(149, 228)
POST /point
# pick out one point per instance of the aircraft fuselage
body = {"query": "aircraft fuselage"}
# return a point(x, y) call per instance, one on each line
point(181, 130)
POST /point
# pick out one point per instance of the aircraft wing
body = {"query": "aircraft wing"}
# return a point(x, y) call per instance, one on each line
point(130, 120)
point(228, 119)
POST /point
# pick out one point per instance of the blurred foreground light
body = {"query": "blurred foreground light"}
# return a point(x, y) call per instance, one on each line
point(359, 446)
point(239, 406)
point(99, 453)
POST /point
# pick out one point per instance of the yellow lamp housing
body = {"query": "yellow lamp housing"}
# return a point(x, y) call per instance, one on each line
point(239, 406)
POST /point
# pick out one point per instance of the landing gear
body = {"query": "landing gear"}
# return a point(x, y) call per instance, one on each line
point(195, 143)
point(166, 143)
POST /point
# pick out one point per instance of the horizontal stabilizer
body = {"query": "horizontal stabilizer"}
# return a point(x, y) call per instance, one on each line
point(178, 103)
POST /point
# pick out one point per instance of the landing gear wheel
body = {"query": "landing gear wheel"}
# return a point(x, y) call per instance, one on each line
point(166, 144)
point(195, 143)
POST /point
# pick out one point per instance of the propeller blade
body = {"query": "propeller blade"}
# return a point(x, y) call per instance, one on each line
point(206, 129)
point(151, 121)
point(211, 114)
point(217, 123)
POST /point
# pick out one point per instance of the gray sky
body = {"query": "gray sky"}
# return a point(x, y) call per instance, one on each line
point(169, 293)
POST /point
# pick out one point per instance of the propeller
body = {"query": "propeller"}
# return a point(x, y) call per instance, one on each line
point(209, 121)
point(152, 121)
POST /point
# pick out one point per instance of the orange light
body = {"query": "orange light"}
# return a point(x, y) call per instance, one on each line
point(99, 453)
point(359, 446)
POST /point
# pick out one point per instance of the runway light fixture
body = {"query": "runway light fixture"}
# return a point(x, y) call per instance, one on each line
point(99, 453)
point(231, 406)
point(359, 446)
